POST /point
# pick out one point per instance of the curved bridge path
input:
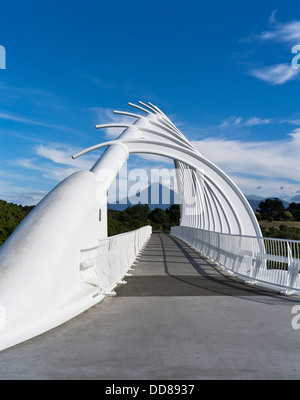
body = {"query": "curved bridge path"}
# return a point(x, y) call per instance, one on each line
point(178, 317)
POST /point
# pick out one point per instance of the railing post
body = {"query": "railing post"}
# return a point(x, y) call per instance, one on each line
point(255, 264)
point(293, 272)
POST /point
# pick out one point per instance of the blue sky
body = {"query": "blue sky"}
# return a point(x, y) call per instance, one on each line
point(221, 70)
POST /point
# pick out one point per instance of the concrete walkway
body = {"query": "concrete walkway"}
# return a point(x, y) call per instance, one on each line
point(179, 318)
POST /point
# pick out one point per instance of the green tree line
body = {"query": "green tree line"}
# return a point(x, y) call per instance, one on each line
point(274, 210)
point(10, 217)
point(118, 221)
point(139, 215)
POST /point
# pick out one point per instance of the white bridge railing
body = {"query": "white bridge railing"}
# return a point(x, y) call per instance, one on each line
point(105, 265)
point(268, 261)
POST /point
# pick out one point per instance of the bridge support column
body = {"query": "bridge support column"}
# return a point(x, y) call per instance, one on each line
point(107, 168)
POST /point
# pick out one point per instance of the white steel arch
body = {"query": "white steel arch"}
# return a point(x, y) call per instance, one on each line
point(50, 266)
point(218, 204)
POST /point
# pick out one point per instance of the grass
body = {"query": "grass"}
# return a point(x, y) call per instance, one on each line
point(276, 224)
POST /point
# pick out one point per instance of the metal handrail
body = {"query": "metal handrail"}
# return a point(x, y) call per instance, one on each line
point(258, 260)
point(112, 259)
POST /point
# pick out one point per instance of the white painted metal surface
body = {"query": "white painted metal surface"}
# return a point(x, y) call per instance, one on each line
point(108, 263)
point(210, 199)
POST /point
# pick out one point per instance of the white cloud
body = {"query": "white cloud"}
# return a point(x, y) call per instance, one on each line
point(275, 74)
point(242, 122)
point(292, 121)
point(26, 163)
point(54, 161)
point(276, 163)
point(252, 165)
point(62, 154)
point(278, 33)
point(285, 32)
point(256, 121)
point(58, 174)
point(47, 170)
point(26, 199)
point(288, 32)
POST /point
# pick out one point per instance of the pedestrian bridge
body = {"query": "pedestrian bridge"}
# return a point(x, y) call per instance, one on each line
point(179, 316)
point(60, 261)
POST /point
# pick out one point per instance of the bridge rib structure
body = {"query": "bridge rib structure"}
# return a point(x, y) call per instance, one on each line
point(60, 262)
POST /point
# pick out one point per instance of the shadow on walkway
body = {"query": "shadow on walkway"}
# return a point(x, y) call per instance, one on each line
point(171, 257)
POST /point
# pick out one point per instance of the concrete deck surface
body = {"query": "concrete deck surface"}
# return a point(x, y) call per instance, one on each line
point(178, 318)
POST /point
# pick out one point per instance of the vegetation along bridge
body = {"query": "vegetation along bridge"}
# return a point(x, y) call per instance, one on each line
point(185, 311)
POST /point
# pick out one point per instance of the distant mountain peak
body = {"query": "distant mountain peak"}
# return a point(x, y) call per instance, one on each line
point(156, 195)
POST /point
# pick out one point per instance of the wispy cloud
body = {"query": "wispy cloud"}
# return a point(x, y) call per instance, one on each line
point(275, 74)
point(26, 199)
point(272, 161)
point(61, 154)
point(292, 121)
point(287, 33)
point(242, 122)
point(272, 17)
point(22, 120)
point(268, 159)
point(54, 161)
point(278, 32)
point(282, 33)
point(100, 82)
point(27, 163)
point(16, 118)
